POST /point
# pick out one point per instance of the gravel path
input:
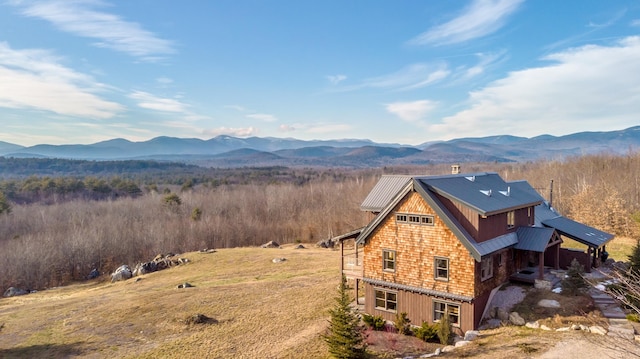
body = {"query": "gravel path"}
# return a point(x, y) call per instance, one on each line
point(508, 297)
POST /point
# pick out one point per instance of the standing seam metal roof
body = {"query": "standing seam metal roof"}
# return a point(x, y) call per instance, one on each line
point(383, 192)
point(534, 239)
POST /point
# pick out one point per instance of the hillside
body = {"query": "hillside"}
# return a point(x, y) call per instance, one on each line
point(263, 309)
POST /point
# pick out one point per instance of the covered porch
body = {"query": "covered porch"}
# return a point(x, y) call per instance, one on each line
point(537, 253)
point(351, 257)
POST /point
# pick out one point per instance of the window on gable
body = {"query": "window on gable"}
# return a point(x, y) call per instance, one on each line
point(414, 219)
point(386, 300)
point(388, 260)
point(427, 220)
point(486, 268)
point(441, 271)
point(440, 309)
point(401, 218)
point(511, 219)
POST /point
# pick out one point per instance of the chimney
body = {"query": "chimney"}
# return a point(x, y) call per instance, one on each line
point(455, 169)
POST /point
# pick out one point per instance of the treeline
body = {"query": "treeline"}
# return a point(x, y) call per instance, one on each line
point(45, 244)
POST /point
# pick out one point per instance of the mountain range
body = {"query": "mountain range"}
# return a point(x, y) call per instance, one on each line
point(227, 151)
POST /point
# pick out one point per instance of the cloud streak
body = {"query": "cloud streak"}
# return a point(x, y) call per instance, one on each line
point(38, 81)
point(151, 102)
point(82, 18)
point(585, 87)
point(412, 111)
point(481, 18)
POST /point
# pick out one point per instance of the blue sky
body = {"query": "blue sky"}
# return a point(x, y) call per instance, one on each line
point(83, 71)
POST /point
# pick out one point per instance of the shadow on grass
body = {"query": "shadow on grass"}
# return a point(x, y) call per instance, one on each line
point(44, 351)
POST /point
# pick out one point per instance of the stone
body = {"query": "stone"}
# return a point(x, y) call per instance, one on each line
point(471, 335)
point(575, 327)
point(502, 314)
point(448, 348)
point(584, 328)
point(542, 284)
point(93, 274)
point(544, 327)
point(431, 355)
point(549, 303)
point(438, 351)
point(462, 343)
point(516, 319)
point(185, 285)
point(596, 329)
point(326, 243)
point(13, 292)
point(278, 260)
point(532, 325)
point(491, 324)
point(207, 250)
point(122, 273)
point(299, 246)
point(271, 244)
point(563, 329)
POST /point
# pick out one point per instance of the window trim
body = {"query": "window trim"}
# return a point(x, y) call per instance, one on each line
point(511, 219)
point(436, 269)
point(487, 261)
point(385, 260)
point(386, 299)
point(434, 302)
point(413, 218)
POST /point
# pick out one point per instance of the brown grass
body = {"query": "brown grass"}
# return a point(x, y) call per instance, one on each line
point(262, 310)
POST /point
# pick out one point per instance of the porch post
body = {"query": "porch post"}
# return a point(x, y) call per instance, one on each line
point(557, 263)
point(541, 265)
point(341, 257)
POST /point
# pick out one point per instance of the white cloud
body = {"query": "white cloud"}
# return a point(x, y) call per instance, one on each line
point(262, 117)
point(236, 132)
point(151, 102)
point(81, 18)
point(635, 23)
point(410, 77)
point(586, 88)
point(164, 80)
point(328, 128)
point(38, 81)
point(286, 128)
point(336, 79)
point(479, 19)
point(412, 111)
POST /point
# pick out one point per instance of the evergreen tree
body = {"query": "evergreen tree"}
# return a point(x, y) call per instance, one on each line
point(5, 207)
point(344, 338)
point(574, 283)
point(634, 258)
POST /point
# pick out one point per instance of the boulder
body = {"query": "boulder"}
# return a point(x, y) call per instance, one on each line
point(542, 284)
point(462, 343)
point(185, 285)
point(548, 303)
point(491, 324)
point(471, 335)
point(271, 244)
point(278, 260)
point(13, 291)
point(516, 319)
point(544, 327)
point(596, 329)
point(299, 246)
point(122, 273)
point(93, 274)
point(326, 243)
point(532, 325)
point(502, 314)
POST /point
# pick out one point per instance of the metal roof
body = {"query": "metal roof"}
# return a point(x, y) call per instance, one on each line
point(496, 244)
point(579, 232)
point(486, 193)
point(544, 212)
point(383, 192)
point(534, 239)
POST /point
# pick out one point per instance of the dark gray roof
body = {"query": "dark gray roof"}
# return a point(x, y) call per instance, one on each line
point(544, 212)
point(486, 193)
point(579, 232)
point(383, 192)
point(496, 244)
point(349, 235)
point(534, 239)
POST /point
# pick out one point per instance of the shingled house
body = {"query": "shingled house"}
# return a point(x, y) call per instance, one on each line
point(444, 244)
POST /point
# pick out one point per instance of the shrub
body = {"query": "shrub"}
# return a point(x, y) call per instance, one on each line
point(196, 214)
point(633, 317)
point(574, 283)
point(402, 323)
point(426, 332)
point(444, 330)
point(344, 337)
point(5, 207)
point(376, 322)
point(634, 258)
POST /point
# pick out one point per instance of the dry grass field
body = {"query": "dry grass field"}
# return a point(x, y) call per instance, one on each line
point(262, 309)
point(259, 309)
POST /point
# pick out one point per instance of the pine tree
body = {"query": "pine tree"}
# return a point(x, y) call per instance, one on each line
point(5, 207)
point(634, 258)
point(344, 338)
point(574, 283)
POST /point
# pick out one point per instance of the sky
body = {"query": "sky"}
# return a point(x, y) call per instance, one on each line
point(404, 72)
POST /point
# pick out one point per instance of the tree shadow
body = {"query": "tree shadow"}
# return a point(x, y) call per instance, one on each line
point(44, 351)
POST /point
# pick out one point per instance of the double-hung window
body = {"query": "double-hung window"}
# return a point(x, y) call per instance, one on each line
point(386, 300)
point(511, 219)
point(388, 260)
point(486, 268)
point(440, 309)
point(441, 268)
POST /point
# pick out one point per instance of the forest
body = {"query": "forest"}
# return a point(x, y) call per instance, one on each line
point(54, 229)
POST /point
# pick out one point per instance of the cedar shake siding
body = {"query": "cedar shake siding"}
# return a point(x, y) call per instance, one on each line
point(416, 248)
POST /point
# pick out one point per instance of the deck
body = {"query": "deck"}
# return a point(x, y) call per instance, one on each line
point(530, 274)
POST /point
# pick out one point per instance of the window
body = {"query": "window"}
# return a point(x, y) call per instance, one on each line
point(486, 268)
point(499, 259)
point(428, 220)
point(511, 219)
point(388, 260)
point(401, 218)
point(441, 268)
point(440, 309)
point(386, 300)
point(414, 219)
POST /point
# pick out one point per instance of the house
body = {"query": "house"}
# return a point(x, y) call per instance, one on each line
point(444, 244)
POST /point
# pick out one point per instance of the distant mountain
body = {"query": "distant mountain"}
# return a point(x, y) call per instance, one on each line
point(228, 151)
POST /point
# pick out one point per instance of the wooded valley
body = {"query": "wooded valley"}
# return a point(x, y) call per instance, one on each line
point(49, 238)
